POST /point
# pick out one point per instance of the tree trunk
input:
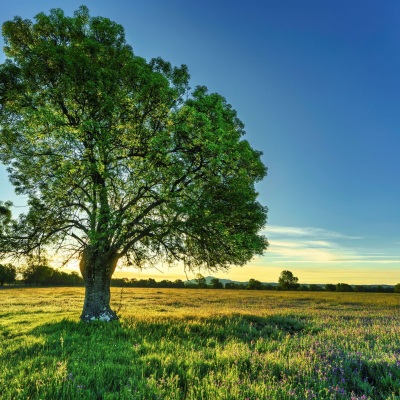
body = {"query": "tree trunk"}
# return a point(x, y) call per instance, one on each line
point(97, 271)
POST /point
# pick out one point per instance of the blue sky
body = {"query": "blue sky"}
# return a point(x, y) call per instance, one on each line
point(317, 85)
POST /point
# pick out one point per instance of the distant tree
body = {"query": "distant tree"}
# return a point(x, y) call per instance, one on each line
point(216, 284)
point(315, 288)
point(151, 283)
point(119, 282)
point(62, 278)
point(254, 284)
point(143, 283)
point(132, 282)
point(201, 281)
point(359, 288)
point(344, 287)
point(234, 285)
point(119, 159)
point(330, 287)
point(229, 285)
point(75, 279)
point(397, 288)
point(178, 283)
point(384, 289)
point(37, 273)
point(287, 281)
point(8, 274)
point(165, 283)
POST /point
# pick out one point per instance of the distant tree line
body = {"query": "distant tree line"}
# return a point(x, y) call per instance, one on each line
point(38, 275)
point(147, 283)
point(46, 276)
point(41, 274)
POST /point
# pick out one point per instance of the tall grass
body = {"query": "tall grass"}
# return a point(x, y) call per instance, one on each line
point(200, 344)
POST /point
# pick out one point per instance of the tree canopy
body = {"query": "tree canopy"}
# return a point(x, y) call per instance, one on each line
point(287, 281)
point(118, 157)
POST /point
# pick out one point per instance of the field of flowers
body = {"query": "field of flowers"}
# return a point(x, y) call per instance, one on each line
point(200, 344)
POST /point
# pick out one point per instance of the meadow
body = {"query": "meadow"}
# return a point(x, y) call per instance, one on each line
point(200, 344)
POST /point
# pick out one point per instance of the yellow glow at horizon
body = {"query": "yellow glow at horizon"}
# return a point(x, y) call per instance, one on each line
point(307, 273)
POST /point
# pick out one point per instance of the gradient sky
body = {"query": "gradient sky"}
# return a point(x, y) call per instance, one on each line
point(317, 85)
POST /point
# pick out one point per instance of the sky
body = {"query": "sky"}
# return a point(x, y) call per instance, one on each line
point(317, 85)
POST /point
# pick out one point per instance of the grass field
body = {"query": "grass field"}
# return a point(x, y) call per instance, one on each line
point(200, 344)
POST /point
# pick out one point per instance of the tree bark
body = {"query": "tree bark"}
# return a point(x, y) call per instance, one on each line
point(97, 271)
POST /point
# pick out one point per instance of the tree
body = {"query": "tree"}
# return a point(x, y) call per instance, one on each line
point(216, 284)
point(397, 288)
point(201, 281)
point(287, 281)
point(119, 160)
point(8, 273)
point(74, 279)
point(37, 274)
point(360, 288)
point(235, 286)
point(254, 284)
point(343, 287)
point(330, 287)
point(315, 288)
point(267, 286)
point(178, 283)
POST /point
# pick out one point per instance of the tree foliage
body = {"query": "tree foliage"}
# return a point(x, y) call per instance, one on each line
point(254, 284)
point(344, 287)
point(8, 274)
point(118, 158)
point(216, 284)
point(330, 287)
point(287, 281)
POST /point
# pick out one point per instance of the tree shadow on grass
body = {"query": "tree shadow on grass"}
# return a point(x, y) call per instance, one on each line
point(172, 358)
point(128, 359)
point(89, 361)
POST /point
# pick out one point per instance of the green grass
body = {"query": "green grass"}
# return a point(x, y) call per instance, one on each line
point(200, 344)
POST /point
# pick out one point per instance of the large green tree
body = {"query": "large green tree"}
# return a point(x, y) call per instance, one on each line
point(119, 159)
